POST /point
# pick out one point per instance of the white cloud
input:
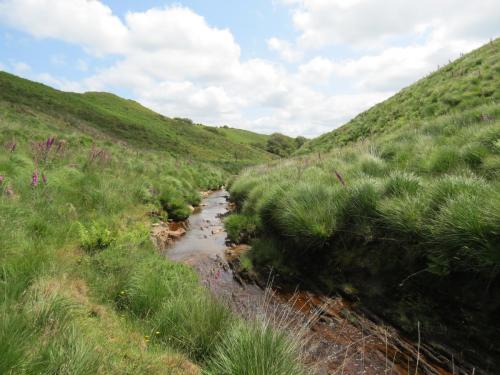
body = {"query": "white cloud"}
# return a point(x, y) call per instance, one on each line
point(389, 70)
point(86, 22)
point(173, 61)
point(285, 49)
point(373, 23)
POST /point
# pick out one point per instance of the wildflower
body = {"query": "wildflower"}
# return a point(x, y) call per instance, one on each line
point(44, 179)
point(146, 338)
point(157, 333)
point(34, 178)
point(122, 292)
point(50, 142)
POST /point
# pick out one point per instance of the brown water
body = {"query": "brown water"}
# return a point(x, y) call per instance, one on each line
point(335, 338)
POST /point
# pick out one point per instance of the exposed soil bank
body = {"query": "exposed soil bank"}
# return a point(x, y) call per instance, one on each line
point(337, 340)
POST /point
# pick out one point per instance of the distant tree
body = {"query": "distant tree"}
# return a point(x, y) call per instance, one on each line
point(281, 145)
point(184, 120)
point(299, 141)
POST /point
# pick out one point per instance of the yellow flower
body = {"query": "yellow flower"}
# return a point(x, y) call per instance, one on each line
point(146, 337)
point(157, 332)
point(122, 292)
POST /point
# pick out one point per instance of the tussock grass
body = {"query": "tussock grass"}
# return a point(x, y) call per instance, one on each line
point(256, 349)
point(82, 289)
point(404, 206)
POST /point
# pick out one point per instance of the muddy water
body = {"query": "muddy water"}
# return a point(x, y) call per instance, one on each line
point(336, 339)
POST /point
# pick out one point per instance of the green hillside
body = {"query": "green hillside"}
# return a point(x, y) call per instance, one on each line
point(399, 211)
point(466, 83)
point(245, 137)
point(125, 120)
point(83, 178)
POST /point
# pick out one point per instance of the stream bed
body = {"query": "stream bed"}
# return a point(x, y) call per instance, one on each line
point(335, 338)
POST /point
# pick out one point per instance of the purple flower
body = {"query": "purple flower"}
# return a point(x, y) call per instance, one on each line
point(34, 178)
point(50, 142)
point(44, 179)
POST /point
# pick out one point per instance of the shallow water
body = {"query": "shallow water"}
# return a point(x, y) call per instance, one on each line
point(337, 340)
point(206, 236)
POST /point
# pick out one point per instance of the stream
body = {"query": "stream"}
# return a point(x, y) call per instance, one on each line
point(335, 338)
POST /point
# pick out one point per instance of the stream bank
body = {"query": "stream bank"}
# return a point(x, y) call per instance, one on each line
point(336, 338)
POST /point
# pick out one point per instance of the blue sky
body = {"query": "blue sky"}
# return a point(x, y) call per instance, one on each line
point(300, 67)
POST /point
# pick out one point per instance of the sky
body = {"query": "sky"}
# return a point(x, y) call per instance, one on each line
point(299, 67)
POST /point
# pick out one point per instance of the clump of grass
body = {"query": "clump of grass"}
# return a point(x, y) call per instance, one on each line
point(311, 213)
point(193, 322)
point(398, 184)
point(256, 349)
point(152, 283)
point(240, 228)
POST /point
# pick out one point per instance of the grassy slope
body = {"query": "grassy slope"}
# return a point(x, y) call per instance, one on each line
point(129, 122)
point(407, 221)
point(245, 137)
point(466, 83)
point(82, 290)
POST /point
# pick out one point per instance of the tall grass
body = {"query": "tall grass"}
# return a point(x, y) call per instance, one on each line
point(256, 349)
point(82, 289)
point(410, 218)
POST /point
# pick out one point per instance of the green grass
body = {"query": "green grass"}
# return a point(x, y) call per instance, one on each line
point(256, 349)
point(82, 288)
point(108, 116)
point(466, 83)
point(409, 215)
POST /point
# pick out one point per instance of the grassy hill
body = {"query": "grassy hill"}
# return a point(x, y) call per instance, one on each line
point(82, 288)
point(466, 83)
point(107, 115)
point(399, 211)
point(245, 137)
